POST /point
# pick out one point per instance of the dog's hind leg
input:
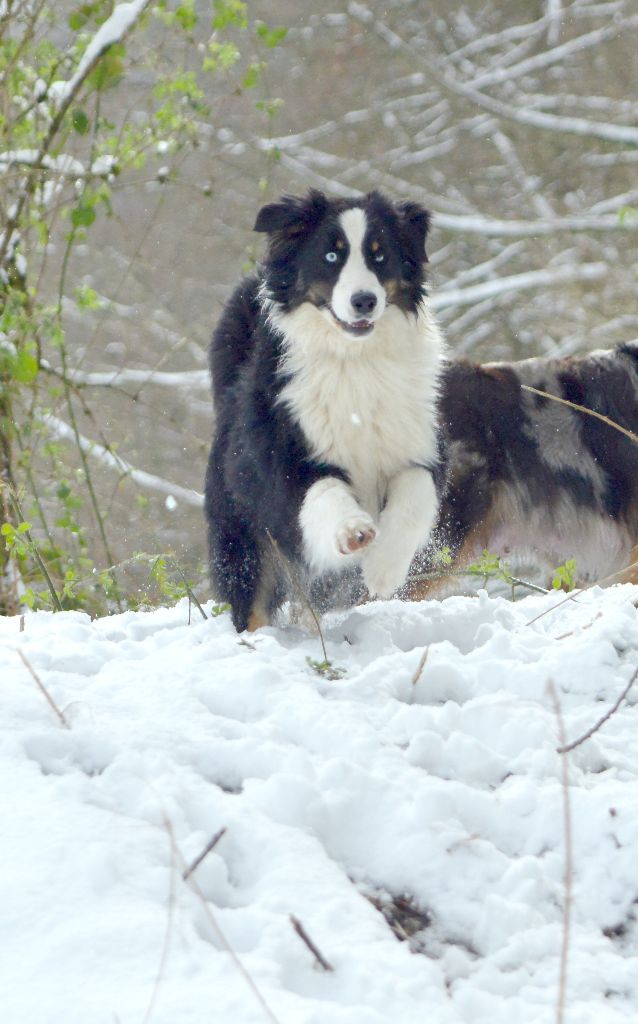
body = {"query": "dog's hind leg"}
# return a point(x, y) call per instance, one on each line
point(242, 574)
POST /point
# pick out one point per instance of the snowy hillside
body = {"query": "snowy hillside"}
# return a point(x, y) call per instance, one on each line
point(409, 815)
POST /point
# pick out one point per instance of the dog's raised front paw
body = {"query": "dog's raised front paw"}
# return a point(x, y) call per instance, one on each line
point(355, 533)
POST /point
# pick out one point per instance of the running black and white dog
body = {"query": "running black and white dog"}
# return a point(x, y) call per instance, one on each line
point(325, 370)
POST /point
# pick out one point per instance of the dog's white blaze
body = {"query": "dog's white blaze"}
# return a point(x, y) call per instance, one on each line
point(355, 275)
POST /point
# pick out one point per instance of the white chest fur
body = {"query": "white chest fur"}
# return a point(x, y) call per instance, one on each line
point(366, 405)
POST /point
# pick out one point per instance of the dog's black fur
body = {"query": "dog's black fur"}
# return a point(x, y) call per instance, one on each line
point(538, 481)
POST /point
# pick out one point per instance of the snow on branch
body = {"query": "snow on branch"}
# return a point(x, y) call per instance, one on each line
point(195, 379)
point(114, 29)
point(622, 133)
point(516, 282)
point(62, 164)
point(522, 228)
point(553, 55)
point(115, 462)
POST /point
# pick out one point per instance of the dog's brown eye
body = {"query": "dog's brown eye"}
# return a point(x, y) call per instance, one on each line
point(331, 257)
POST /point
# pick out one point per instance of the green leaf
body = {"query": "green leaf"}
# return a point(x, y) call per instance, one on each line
point(270, 107)
point(82, 216)
point(564, 577)
point(185, 15)
point(109, 69)
point(80, 121)
point(272, 37)
point(25, 368)
point(252, 76)
point(87, 298)
point(229, 12)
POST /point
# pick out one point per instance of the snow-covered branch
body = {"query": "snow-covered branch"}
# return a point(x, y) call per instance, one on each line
point(554, 55)
point(516, 282)
point(114, 29)
point(198, 380)
point(115, 462)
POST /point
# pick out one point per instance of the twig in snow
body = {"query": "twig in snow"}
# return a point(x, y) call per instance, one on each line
point(296, 582)
point(207, 849)
point(566, 747)
point(303, 935)
point(42, 688)
point(420, 666)
point(583, 590)
point(588, 625)
point(223, 941)
point(568, 873)
point(167, 936)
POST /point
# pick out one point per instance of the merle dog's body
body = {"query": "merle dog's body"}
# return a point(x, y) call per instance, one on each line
point(325, 369)
point(537, 481)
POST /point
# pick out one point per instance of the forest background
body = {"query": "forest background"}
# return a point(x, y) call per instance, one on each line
point(138, 142)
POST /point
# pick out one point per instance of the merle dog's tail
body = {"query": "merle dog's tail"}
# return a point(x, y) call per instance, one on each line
point(233, 337)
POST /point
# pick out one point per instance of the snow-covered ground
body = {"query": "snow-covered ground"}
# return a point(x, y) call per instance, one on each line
point(389, 804)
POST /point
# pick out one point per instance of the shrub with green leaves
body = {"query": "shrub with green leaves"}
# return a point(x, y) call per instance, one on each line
point(68, 146)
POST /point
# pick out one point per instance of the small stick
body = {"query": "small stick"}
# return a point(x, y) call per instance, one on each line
point(566, 747)
point(420, 666)
point(212, 920)
point(294, 579)
point(207, 849)
point(583, 590)
point(582, 408)
point(303, 935)
point(568, 873)
point(42, 687)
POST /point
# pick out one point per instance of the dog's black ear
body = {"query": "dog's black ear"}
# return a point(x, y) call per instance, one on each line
point(293, 214)
point(415, 221)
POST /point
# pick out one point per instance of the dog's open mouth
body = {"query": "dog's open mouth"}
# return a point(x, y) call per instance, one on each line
point(358, 328)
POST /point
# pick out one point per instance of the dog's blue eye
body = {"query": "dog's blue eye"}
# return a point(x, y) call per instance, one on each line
point(379, 257)
point(331, 257)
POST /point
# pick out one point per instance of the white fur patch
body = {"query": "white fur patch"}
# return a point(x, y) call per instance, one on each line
point(329, 515)
point(355, 275)
point(368, 406)
point(405, 525)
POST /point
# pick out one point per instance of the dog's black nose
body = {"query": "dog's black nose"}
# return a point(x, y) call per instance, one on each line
point(363, 302)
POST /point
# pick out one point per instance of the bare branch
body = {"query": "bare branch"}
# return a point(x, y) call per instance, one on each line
point(568, 873)
point(42, 688)
point(582, 408)
point(207, 849)
point(566, 747)
point(305, 938)
point(216, 928)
